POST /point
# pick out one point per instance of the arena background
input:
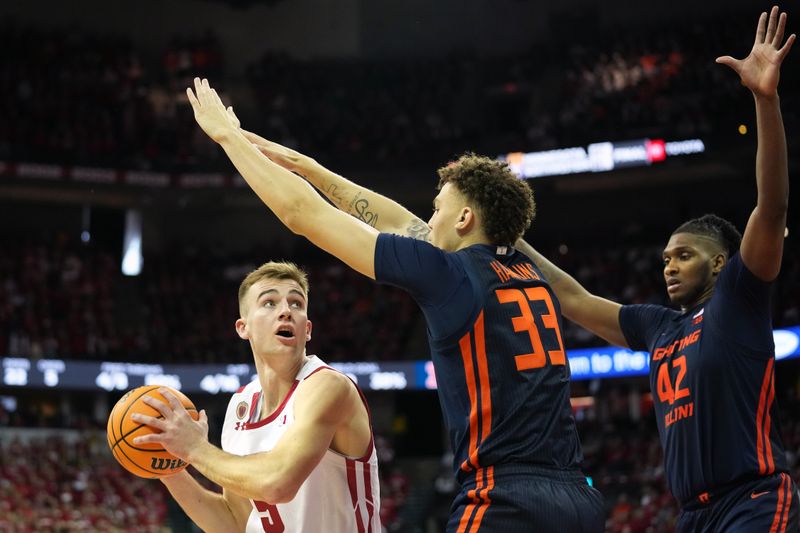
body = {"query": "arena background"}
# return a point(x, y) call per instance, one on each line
point(97, 142)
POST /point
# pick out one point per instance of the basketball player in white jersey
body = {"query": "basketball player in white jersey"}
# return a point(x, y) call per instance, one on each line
point(297, 449)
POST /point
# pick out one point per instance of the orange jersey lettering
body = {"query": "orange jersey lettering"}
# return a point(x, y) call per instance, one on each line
point(666, 351)
point(522, 271)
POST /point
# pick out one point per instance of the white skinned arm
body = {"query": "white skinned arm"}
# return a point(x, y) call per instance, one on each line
point(287, 195)
point(212, 512)
point(323, 406)
point(374, 209)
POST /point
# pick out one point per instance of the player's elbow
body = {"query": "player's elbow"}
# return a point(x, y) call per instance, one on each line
point(277, 490)
point(296, 217)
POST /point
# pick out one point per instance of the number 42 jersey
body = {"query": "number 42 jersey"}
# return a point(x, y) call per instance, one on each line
point(712, 377)
point(340, 495)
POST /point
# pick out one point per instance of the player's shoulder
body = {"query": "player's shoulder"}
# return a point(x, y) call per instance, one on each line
point(659, 315)
point(318, 372)
point(329, 377)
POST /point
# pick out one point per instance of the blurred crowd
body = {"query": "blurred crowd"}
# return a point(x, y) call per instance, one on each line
point(73, 484)
point(69, 300)
point(63, 299)
point(77, 97)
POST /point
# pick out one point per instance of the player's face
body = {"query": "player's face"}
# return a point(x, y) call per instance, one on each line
point(276, 318)
point(447, 211)
point(690, 264)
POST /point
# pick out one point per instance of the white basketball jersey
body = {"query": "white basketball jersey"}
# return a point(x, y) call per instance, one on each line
point(341, 495)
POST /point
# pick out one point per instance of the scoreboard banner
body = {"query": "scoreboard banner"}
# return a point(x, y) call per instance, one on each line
point(69, 374)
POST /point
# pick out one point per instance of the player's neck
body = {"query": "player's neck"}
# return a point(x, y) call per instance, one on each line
point(277, 375)
point(475, 237)
point(703, 298)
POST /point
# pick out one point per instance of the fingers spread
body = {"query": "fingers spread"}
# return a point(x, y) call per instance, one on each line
point(173, 401)
point(148, 439)
point(778, 38)
point(762, 28)
point(729, 61)
point(772, 24)
point(151, 421)
point(158, 405)
point(787, 46)
point(192, 98)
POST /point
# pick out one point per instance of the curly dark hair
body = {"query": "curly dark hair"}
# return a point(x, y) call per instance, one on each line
point(714, 227)
point(503, 201)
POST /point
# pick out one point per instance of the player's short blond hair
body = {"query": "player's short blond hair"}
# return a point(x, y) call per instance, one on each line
point(283, 270)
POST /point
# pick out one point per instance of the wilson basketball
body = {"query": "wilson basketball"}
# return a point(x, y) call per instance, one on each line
point(145, 460)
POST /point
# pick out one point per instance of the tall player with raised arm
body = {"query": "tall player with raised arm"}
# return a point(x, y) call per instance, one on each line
point(493, 324)
point(712, 363)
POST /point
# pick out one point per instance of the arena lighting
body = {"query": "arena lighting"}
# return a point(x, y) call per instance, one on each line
point(132, 243)
point(68, 374)
point(599, 157)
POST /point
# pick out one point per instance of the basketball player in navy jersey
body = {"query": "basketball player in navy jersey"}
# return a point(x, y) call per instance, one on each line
point(493, 324)
point(712, 363)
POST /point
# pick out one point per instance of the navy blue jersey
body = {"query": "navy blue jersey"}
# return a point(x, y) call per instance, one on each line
point(494, 328)
point(712, 378)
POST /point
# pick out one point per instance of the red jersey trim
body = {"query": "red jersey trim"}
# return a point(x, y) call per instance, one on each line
point(277, 412)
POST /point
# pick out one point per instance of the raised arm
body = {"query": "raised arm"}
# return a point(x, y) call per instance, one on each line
point(292, 200)
point(598, 315)
point(762, 242)
point(377, 210)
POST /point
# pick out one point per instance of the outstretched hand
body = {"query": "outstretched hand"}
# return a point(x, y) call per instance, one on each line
point(179, 433)
point(760, 71)
point(210, 112)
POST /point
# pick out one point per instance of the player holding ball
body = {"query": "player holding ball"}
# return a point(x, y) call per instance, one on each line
point(297, 448)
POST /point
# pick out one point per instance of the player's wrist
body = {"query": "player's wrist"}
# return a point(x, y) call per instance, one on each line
point(197, 454)
point(306, 166)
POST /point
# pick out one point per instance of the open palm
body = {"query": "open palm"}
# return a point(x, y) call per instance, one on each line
point(209, 111)
point(760, 71)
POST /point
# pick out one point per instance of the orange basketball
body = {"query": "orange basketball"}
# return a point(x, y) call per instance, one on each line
point(144, 460)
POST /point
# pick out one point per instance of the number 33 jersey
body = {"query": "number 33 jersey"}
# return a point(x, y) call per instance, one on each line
point(712, 379)
point(494, 329)
point(340, 495)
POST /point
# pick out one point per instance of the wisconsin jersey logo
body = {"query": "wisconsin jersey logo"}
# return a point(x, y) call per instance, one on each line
point(241, 410)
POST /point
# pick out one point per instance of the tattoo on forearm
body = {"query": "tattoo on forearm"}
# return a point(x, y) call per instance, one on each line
point(419, 230)
point(332, 192)
point(359, 209)
point(550, 271)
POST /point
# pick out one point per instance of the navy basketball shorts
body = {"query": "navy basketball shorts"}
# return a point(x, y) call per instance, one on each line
point(765, 505)
point(518, 499)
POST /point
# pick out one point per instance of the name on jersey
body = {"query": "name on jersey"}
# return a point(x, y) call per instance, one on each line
point(680, 344)
point(679, 413)
point(522, 271)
